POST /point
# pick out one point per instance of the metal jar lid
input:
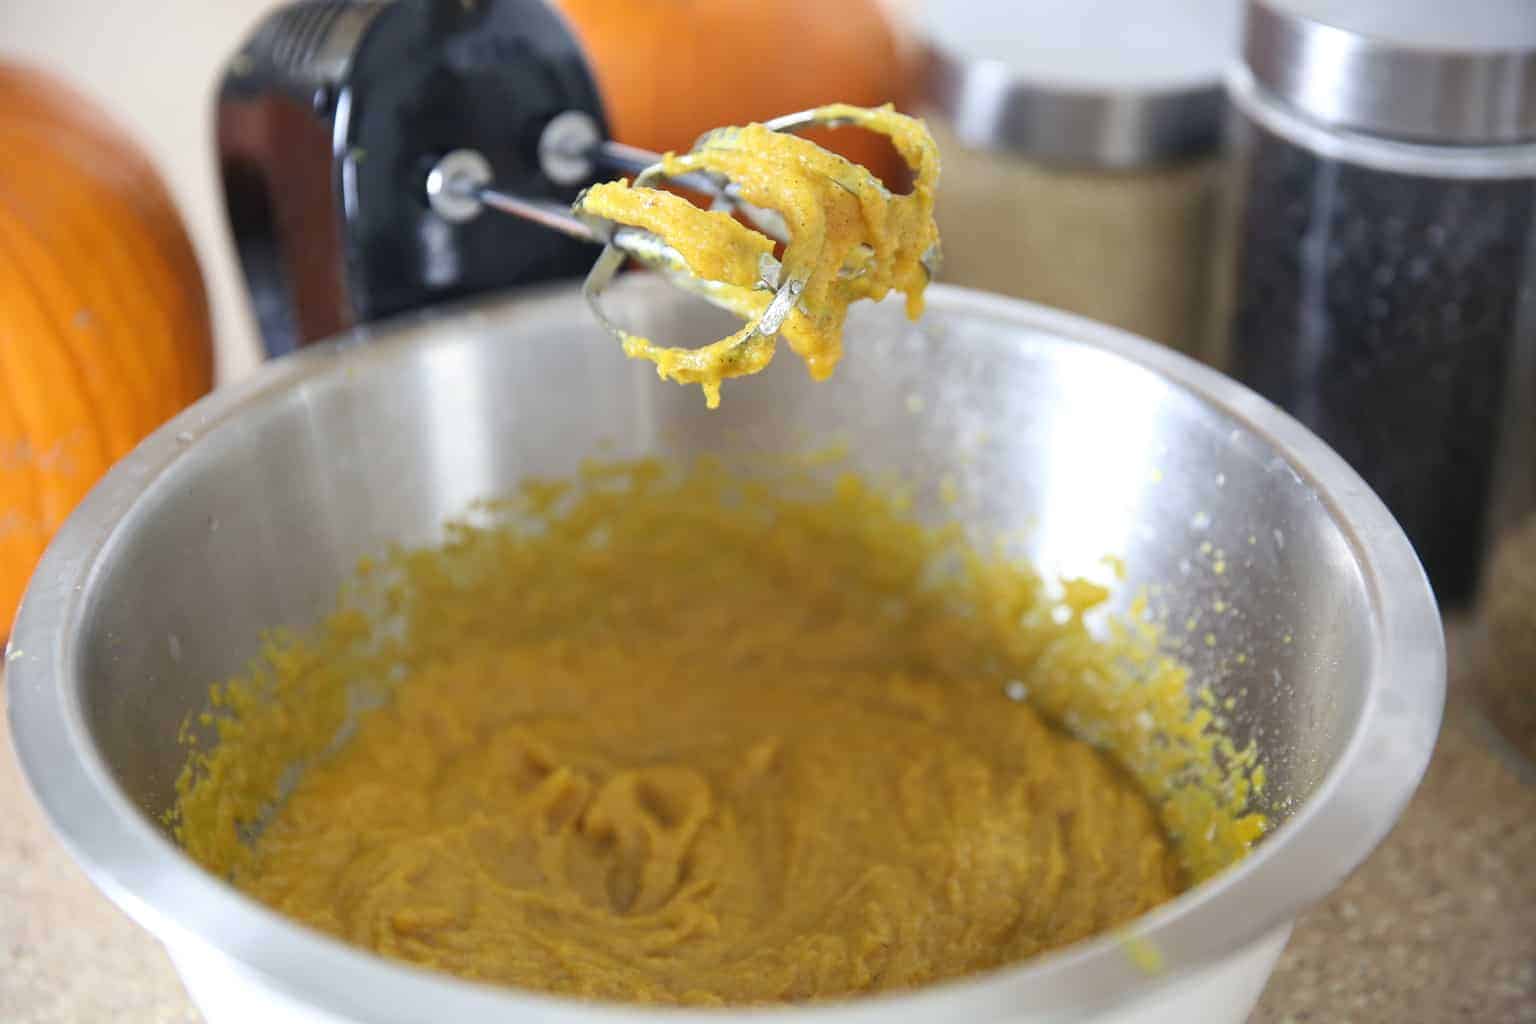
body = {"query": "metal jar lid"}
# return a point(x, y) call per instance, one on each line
point(1446, 71)
point(1112, 84)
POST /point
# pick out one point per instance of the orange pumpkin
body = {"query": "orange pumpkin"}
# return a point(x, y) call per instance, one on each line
point(669, 70)
point(104, 325)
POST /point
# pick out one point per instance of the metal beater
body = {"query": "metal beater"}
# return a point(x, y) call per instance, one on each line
point(460, 187)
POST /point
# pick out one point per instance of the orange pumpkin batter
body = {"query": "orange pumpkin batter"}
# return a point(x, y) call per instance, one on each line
point(681, 738)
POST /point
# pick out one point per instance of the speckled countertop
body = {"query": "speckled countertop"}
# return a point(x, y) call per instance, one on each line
point(1439, 925)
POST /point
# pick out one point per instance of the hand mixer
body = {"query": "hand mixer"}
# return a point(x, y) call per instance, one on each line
point(361, 142)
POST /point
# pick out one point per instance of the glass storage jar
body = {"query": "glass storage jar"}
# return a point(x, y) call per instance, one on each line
point(1384, 248)
point(1081, 151)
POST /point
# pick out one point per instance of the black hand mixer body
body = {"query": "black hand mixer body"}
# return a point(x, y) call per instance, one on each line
point(331, 118)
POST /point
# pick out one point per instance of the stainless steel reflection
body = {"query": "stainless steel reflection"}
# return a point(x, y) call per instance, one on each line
point(1364, 73)
point(245, 512)
point(992, 109)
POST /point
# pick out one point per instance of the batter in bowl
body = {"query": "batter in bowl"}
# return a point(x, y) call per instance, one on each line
point(682, 738)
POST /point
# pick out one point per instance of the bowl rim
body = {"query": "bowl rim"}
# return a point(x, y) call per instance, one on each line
point(146, 874)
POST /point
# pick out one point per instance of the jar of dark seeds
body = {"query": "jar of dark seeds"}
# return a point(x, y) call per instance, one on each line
point(1382, 277)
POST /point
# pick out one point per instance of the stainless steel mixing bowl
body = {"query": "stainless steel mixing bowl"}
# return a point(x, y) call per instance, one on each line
point(247, 510)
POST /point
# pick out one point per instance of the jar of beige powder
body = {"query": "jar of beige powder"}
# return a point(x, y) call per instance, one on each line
point(1082, 150)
